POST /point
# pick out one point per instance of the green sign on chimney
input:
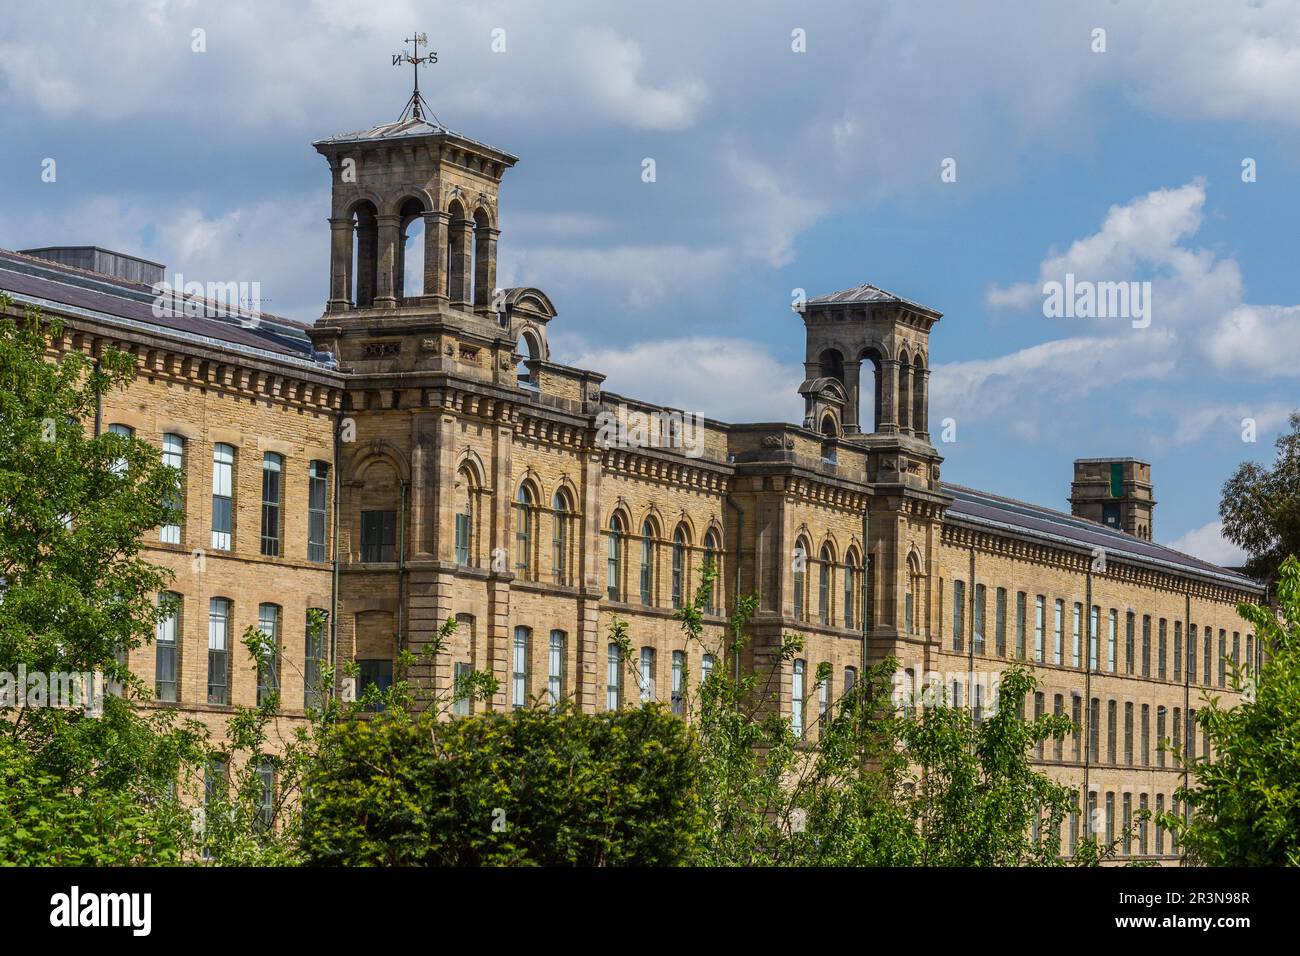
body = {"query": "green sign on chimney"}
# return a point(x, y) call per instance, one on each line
point(1117, 480)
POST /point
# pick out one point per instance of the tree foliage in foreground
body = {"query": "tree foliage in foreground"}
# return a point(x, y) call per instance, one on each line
point(1245, 803)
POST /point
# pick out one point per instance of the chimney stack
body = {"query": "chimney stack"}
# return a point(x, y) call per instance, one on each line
point(1115, 492)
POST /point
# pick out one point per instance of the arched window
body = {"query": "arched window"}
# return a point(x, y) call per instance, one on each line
point(174, 457)
point(614, 678)
point(909, 599)
point(798, 574)
point(460, 246)
point(561, 515)
point(797, 698)
point(851, 582)
point(519, 667)
point(530, 353)
point(272, 498)
point(463, 496)
point(711, 558)
point(268, 668)
point(408, 264)
point(647, 562)
point(555, 668)
point(824, 570)
point(524, 504)
point(679, 566)
point(365, 255)
point(614, 545)
point(904, 394)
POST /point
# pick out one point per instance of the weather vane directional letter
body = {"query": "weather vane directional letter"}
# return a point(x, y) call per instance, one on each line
point(416, 107)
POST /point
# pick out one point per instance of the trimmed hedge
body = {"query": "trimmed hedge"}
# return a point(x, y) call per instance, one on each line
point(530, 787)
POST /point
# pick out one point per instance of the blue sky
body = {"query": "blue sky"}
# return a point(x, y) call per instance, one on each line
point(775, 170)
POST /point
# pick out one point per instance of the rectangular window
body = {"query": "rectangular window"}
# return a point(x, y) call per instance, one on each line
point(1223, 658)
point(1038, 713)
point(268, 670)
point(1128, 733)
point(1112, 633)
point(823, 703)
point(555, 667)
point(1161, 647)
point(1021, 613)
point(314, 658)
point(218, 651)
point(1127, 840)
point(1130, 629)
point(462, 539)
point(1094, 730)
point(1160, 830)
point(1040, 611)
point(679, 675)
point(1160, 736)
point(1146, 645)
point(796, 698)
point(1178, 650)
point(519, 668)
point(266, 806)
point(167, 648)
point(1058, 631)
point(1207, 658)
point(1110, 730)
point(614, 678)
point(376, 673)
point(1076, 715)
point(647, 674)
point(1058, 743)
point(1000, 623)
point(1146, 735)
point(378, 536)
point(173, 456)
point(977, 626)
point(1189, 745)
point(460, 672)
point(272, 499)
point(1094, 636)
point(1143, 825)
point(223, 491)
point(317, 510)
point(850, 679)
point(1076, 646)
point(958, 614)
point(1110, 818)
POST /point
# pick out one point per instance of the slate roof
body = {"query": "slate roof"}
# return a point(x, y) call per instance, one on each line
point(867, 294)
point(122, 302)
point(406, 128)
point(1019, 517)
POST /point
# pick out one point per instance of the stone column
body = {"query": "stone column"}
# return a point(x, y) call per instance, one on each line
point(888, 411)
point(340, 265)
point(367, 254)
point(462, 260)
point(387, 295)
point(852, 374)
point(485, 265)
point(905, 399)
point(921, 401)
point(435, 257)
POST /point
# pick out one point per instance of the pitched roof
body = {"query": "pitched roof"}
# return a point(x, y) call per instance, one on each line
point(73, 291)
point(867, 294)
point(1034, 521)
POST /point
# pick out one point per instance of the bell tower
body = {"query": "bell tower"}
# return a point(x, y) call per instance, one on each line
point(384, 180)
point(869, 333)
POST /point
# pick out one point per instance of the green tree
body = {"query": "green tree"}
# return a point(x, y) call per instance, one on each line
point(1245, 803)
point(76, 595)
point(1260, 507)
point(887, 781)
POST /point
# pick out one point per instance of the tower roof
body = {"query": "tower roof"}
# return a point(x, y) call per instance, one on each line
point(411, 128)
point(868, 294)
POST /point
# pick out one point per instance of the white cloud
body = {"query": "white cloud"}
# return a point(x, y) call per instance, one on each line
point(726, 379)
point(610, 68)
point(1208, 543)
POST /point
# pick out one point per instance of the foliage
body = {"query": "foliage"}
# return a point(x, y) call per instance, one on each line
point(883, 784)
point(76, 592)
point(535, 786)
point(1260, 507)
point(1246, 802)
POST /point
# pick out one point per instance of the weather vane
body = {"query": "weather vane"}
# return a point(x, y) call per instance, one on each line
point(416, 107)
